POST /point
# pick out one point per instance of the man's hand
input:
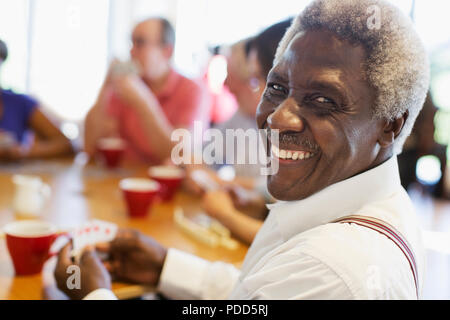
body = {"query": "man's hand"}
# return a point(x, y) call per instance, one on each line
point(249, 201)
point(132, 90)
point(134, 257)
point(93, 274)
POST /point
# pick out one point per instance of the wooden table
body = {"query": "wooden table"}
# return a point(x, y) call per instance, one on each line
point(81, 192)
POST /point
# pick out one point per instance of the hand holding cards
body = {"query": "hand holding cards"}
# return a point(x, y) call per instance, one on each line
point(90, 234)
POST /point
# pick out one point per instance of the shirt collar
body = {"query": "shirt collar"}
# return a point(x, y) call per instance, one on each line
point(337, 200)
point(169, 86)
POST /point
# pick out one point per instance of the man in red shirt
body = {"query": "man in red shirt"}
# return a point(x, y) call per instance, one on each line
point(144, 109)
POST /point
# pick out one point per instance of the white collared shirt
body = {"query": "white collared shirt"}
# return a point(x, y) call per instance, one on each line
point(299, 254)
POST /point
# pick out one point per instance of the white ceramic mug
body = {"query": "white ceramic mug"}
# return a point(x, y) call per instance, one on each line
point(30, 196)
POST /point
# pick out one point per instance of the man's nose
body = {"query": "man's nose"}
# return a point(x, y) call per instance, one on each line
point(285, 117)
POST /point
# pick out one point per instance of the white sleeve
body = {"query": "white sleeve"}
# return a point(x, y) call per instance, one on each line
point(295, 275)
point(101, 294)
point(185, 276)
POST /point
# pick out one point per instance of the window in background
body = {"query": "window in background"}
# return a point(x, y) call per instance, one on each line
point(203, 24)
point(14, 17)
point(208, 23)
point(432, 22)
point(69, 54)
point(433, 25)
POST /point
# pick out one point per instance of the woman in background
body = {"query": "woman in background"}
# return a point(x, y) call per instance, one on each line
point(20, 115)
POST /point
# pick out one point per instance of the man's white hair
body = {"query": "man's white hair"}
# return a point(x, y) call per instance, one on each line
point(396, 66)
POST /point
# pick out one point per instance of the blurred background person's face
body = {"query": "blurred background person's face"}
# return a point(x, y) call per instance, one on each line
point(238, 80)
point(257, 78)
point(149, 51)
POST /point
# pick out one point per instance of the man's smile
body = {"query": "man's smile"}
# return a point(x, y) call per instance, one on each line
point(291, 155)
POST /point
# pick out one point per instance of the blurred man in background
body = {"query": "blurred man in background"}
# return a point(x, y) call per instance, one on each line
point(144, 108)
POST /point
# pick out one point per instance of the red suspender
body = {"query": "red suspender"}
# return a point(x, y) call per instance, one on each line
point(390, 232)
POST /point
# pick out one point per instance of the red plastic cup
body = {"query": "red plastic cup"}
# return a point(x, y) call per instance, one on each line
point(139, 194)
point(29, 243)
point(169, 177)
point(111, 150)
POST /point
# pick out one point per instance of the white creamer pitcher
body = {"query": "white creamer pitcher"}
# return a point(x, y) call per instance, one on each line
point(30, 195)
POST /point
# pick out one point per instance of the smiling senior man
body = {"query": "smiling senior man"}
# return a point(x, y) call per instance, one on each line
point(344, 92)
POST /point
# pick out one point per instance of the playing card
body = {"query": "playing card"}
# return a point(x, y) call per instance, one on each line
point(91, 233)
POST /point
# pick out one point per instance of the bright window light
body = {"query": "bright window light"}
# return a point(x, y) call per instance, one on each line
point(428, 169)
point(70, 130)
point(69, 54)
point(14, 31)
point(432, 22)
point(217, 72)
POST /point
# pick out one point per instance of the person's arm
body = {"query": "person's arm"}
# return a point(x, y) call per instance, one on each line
point(251, 202)
point(156, 127)
point(242, 226)
point(98, 123)
point(219, 205)
point(136, 258)
point(50, 141)
point(207, 280)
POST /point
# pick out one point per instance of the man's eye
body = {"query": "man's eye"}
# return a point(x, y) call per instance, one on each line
point(277, 89)
point(139, 42)
point(324, 100)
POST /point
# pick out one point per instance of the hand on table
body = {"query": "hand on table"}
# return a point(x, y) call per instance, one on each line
point(134, 257)
point(93, 274)
point(250, 201)
point(218, 204)
point(200, 179)
point(13, 153)
point(190, 184)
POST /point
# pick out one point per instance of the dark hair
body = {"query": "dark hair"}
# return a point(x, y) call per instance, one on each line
point(167, 32)
point(266, 44)
point(3, 51)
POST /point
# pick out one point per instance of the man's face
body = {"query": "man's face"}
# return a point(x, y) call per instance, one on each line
point(148, 50)
point(318, 100)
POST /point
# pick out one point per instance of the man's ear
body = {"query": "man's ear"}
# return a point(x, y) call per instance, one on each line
point(392, 129)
